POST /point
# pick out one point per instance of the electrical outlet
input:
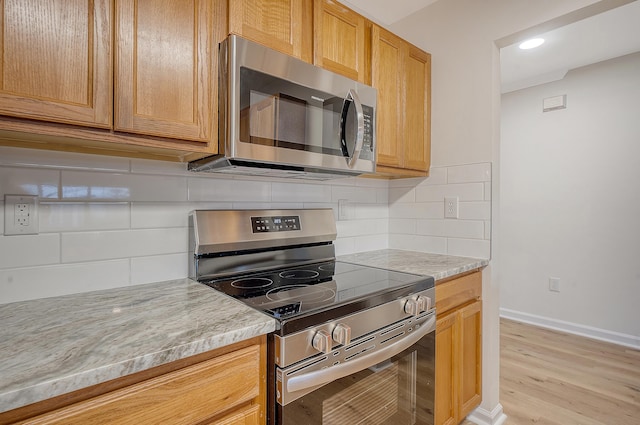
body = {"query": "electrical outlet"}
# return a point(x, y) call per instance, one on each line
point(20, 215)
point(451, 207)
point(554, 284)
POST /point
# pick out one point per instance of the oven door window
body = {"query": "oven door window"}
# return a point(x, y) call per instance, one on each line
point(399, 391)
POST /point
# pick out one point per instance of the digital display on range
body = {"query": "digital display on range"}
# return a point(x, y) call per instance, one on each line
point(275, 223)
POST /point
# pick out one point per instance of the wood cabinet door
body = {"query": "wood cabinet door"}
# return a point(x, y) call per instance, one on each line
point(470, 349)
point(446, 364)
point(165, 72)
point(56, 61)
point(187, 396)
point(386, 75)
point(417, 115)
point(339, 41)
point(283, 25)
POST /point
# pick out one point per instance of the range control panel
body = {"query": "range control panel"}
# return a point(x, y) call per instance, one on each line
point(275, 223)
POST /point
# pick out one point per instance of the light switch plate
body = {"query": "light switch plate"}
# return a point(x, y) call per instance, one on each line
point(20, 215)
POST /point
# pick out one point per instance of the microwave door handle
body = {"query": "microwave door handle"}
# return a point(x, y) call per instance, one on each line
point(352, 97)
point(324, 376)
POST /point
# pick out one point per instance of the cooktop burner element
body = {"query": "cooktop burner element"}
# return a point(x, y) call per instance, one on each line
point(252, 283)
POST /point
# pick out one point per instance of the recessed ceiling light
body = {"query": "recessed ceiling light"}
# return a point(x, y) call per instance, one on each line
point(530, 44)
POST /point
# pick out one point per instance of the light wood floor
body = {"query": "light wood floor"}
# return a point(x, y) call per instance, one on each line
point(552, 378)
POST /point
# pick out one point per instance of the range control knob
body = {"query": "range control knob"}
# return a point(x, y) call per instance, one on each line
point(411, 307)
point(342, 334)
point(322, 341)
point(424, 303)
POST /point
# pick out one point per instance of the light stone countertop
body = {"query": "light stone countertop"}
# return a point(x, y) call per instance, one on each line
point(437, 265)
point(52, 346)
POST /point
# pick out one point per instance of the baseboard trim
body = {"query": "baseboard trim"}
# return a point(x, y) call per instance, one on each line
point(572, 328)
point(482, 416)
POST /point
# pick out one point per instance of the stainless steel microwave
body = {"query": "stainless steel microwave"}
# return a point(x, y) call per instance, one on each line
point(284, 117)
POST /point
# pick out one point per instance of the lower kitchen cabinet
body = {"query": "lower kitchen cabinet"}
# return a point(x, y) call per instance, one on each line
point(458, 348)
point(226, 389)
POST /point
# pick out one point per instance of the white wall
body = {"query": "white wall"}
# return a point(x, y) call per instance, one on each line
point(107, 222)
point(570, 202)
point(461, 35)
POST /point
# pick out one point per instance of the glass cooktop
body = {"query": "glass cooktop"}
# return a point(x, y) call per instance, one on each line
point(327, 289)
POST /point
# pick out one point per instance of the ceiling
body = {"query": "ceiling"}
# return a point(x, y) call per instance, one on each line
point(605, 36)
point(608, 35)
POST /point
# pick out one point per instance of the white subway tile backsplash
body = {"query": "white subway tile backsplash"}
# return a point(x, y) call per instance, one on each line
point(40, 282)
point(83, 216)
point(464, 229)
point(250, 205)
point(418, 243)
point(62, 160)
point(79, 185)
point(149, 215)
point(160, 168)
point(469, 234)
point(29, 250)
point(437, 175)
point(431, 227)
point(406, 226)
point(94, 246)
point(364, 211)
point(209, 189)
point(411, 182)
point(487, 191)
point(362, 227)
point(353, 193)
point(371, 242)
point(29, 181)
point(158, 268)
point(382, 196)
point(464, 191)
point(417, 210)
point(469, 173)
point(345, 246)
point(399, 195)
point(301, 192)
point(116, 221)
point(476, 210)
point(469, 248)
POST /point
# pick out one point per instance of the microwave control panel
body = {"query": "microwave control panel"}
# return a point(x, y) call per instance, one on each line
point(367, 142)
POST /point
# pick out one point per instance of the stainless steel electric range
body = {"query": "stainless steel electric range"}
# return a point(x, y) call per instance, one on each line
point(353, 345)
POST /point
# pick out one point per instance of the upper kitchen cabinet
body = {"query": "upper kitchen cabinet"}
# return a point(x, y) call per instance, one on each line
point(56, 61)
point(402, 74)
point(283, 25)
point(341, 40)
point(165, 75)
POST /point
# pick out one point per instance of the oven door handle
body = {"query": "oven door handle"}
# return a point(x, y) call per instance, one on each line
point(326, 375)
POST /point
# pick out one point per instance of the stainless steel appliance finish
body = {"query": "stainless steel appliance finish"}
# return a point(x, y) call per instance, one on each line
point(349, 337)
point(280, 116)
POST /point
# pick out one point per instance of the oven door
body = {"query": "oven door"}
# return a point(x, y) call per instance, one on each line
point(365, 389)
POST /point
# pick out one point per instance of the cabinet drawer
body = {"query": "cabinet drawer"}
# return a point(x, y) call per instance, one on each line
point(457, 292)
point(186, 396)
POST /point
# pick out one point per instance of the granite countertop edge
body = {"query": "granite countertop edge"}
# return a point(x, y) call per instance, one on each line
point(128, 330)
point(440, 266)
